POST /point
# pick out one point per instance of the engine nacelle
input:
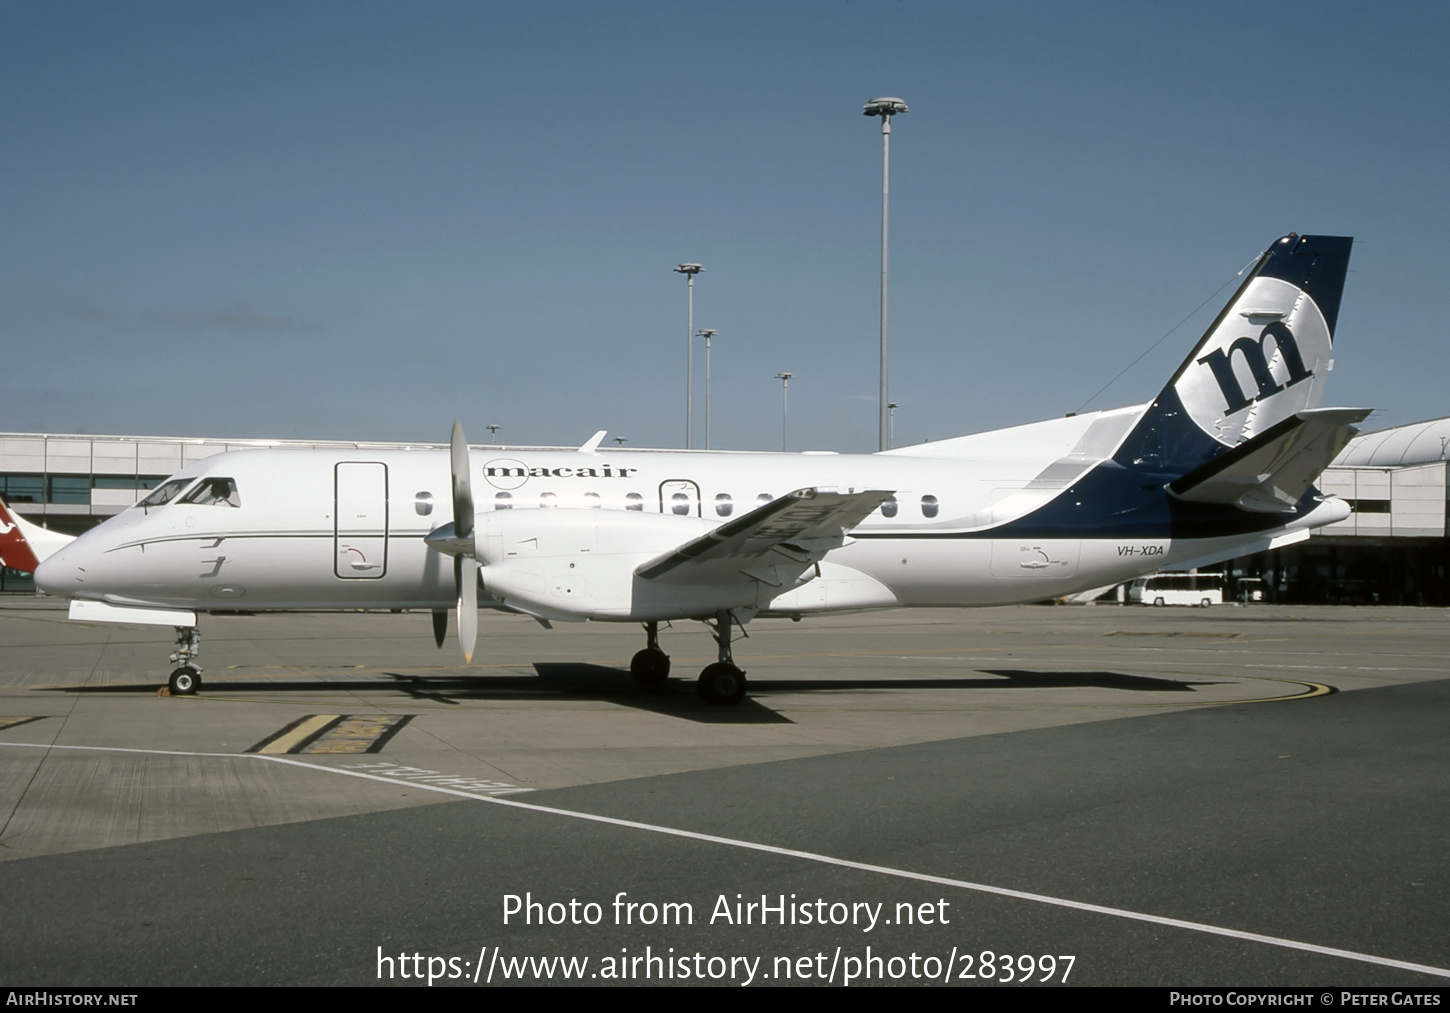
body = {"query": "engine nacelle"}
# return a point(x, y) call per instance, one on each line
point(571, 564)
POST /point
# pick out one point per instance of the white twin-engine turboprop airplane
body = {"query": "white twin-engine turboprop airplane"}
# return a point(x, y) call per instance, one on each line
point(1220, 464)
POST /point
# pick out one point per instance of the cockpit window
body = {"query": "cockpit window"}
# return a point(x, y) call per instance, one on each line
point(215, 492)
point(165, 492)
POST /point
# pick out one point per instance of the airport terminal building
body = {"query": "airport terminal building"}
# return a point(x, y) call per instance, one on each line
point(1392, 548)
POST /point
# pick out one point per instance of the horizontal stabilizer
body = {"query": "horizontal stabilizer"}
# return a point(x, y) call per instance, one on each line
point(794, 531)
point(1271, 472)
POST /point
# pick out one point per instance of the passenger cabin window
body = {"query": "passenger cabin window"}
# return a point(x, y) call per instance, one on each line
point(423, 504)
point(681, 503)
point(165, 493)
point(634, 501)
point(215, 492)
point(763, 499)
point(592, 500)
point(548, 499)
point(888, 508)
point(723, 506)
point(501, 501)
point(928, 506)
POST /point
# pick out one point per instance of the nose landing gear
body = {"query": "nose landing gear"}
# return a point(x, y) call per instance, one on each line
point(186, 679)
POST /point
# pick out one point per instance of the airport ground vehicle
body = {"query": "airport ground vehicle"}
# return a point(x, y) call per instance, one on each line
point(1203, 589)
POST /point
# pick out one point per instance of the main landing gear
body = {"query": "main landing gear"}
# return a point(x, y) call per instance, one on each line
point(720, 683)
point(186, 679)
point(651, 666)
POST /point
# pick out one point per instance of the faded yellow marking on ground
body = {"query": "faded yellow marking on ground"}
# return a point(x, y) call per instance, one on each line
point(309, 726)
point(355, 734)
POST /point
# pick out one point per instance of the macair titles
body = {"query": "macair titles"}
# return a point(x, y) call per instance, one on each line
point(510, 474)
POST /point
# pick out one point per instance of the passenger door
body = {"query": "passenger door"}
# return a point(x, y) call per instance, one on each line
point(361, 520)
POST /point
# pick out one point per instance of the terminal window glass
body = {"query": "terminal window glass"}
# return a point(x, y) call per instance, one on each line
point(115, 482)
point(70, 489)
point(1370, 506)
point(16, 580)
point(23, 488)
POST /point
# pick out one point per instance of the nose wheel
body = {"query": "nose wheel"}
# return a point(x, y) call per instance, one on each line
point(184, 681)
point(186, 678)
point(722, 682)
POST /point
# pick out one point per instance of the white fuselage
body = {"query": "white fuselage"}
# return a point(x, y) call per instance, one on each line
point(561, 534)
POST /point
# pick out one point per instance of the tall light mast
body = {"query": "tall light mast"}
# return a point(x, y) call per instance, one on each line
point(784, 379)
point(707, 333)
point(689, 271)
point(885, 108)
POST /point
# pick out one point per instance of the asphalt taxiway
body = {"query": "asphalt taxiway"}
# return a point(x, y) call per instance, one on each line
point(1165, 796)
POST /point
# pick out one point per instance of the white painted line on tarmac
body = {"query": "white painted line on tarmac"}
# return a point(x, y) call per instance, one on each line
point(809, 856)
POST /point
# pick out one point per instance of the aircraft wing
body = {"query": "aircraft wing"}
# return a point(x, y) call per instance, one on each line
point(790, 533)
point(1272, 471)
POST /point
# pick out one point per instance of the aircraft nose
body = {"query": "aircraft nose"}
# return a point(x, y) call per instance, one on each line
point(58, 574)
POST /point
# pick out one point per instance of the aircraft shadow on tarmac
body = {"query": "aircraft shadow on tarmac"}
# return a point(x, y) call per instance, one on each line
point(676, 699)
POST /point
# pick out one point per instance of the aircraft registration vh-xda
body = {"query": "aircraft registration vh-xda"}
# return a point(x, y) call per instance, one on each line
point(1221, 463)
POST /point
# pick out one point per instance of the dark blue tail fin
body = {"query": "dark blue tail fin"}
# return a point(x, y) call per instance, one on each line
point(1261, 360)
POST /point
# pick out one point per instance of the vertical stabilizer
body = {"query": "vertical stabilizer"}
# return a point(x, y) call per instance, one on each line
point(22, 544)
point(1262, 359)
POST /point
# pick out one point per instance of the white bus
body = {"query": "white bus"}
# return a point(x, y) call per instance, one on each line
point(1203, 589)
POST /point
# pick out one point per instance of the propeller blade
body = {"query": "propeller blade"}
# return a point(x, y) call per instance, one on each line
point(466, 570)
point(457, 540)
point(462, 489)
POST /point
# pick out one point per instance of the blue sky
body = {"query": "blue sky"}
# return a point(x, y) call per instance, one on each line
point(363, 220)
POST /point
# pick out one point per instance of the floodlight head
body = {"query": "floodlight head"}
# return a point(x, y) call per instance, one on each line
point(784, 376)
point(690, 269)
point(885, 107)
point(706, 332)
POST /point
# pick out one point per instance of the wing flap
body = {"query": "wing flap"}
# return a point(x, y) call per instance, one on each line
point(1271, 472)
point(791, 533)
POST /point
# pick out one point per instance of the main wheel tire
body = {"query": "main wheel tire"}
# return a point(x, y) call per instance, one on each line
point(185, 681)
point(650, 668)
point(722, 684)
point(1158, 602)
point(1206, 604)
